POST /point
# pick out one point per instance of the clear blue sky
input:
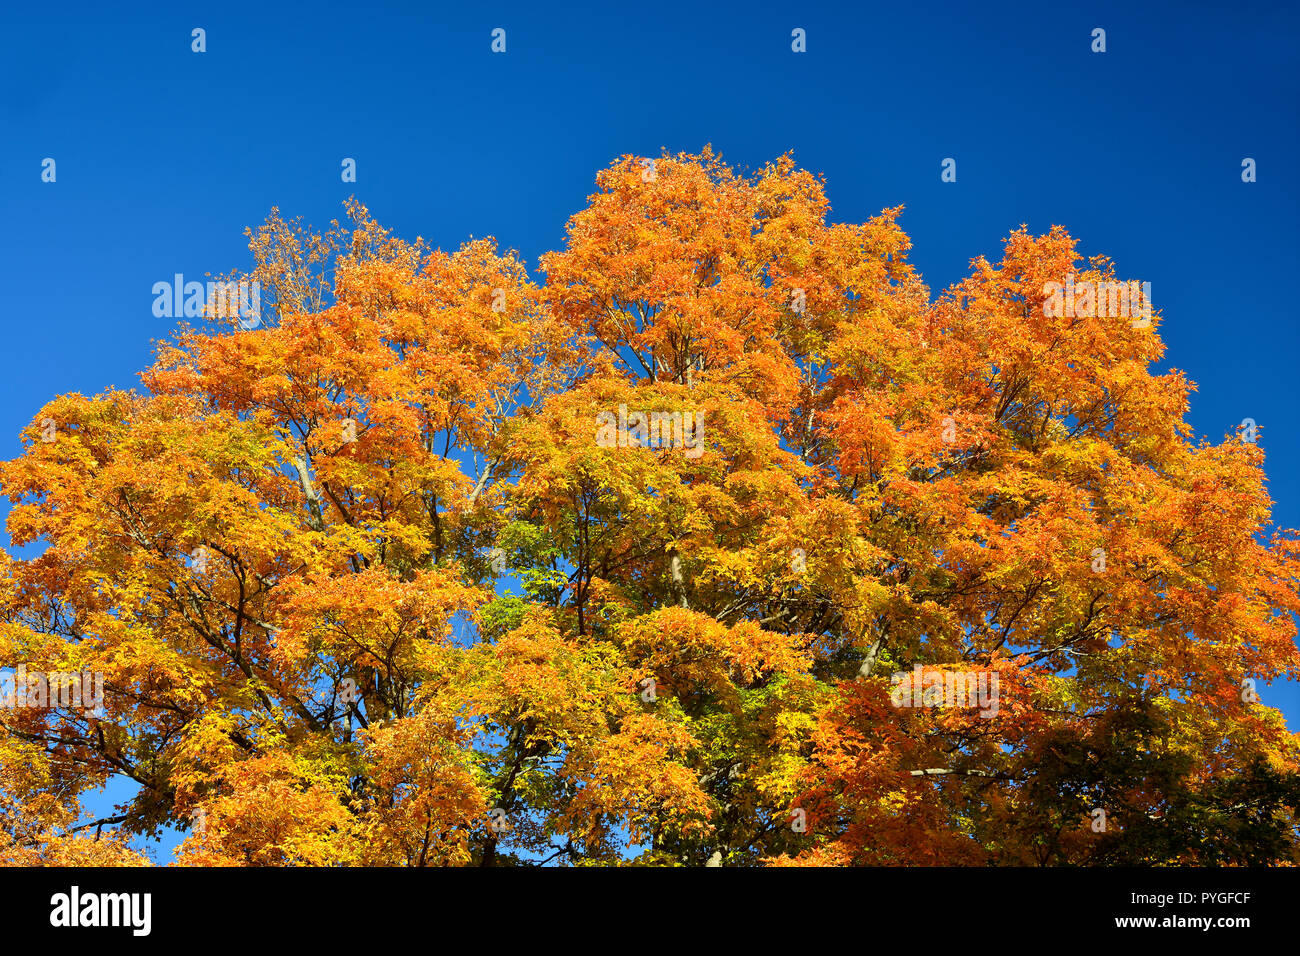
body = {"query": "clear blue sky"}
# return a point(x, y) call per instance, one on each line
point(164, 155)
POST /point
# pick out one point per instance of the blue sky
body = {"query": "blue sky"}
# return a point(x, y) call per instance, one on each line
point(164, 156)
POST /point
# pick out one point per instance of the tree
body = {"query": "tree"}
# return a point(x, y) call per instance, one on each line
point(687, 553)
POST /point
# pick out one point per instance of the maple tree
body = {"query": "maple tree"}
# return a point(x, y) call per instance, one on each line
point(366, 590)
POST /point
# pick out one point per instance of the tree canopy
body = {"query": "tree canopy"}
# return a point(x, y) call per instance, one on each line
point(364, 588)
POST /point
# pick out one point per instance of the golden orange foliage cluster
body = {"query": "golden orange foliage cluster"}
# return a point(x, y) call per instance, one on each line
point(365, 590)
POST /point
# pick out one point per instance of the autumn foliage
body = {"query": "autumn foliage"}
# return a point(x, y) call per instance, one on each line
point(365, 590)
